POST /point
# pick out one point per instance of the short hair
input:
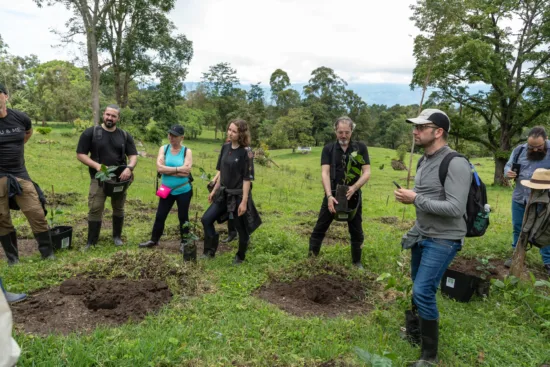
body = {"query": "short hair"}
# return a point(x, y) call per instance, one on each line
point(114, 107)
point(538, 132)
point(445, 135)
point(346, 119)
point(244, 134)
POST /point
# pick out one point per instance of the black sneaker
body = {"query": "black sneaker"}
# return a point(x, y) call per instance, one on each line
point(237, 260)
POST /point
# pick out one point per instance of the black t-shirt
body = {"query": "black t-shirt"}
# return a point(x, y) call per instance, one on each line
point(109, 148)
point(335, 149)
point(12, 143)
point(235, 165)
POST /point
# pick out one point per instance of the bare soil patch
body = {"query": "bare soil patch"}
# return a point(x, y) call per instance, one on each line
point(63, 198)
point(25, 247)
point(322, 294)
point(494, 269)
point(172, 246)
point(81, 304)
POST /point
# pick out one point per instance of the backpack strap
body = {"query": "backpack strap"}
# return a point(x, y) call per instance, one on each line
point(333, 165)
point(96, 137)
point(444, 166)
point(516, 158)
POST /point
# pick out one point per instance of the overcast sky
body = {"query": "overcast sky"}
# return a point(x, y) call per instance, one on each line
point(363, 41)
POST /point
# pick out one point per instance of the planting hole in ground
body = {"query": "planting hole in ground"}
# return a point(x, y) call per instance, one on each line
point(82, 304)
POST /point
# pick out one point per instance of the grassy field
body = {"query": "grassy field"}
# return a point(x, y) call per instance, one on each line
point(223, 323)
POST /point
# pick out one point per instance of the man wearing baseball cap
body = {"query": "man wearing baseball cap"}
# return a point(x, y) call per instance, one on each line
point(15, 182)
point(439, 230)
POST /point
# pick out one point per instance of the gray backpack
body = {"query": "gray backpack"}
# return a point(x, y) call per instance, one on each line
point(536, 223)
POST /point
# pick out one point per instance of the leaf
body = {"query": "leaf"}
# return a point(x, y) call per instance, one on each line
point(354, 154)
point(373, 359)
point(498, 283)
point(542, 283)
point(383, 276)
point(356, 170)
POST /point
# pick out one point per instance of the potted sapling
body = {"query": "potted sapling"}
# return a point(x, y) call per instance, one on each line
point(346, 209)
point(109, 179)
point(188, 245)
point(207, 177)
point(60, 236)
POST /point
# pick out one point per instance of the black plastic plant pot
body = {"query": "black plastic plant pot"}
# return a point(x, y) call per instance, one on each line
point(189, 251)
point(62, 237)
point(461, 287)
point(348, 211)
point(114, 188)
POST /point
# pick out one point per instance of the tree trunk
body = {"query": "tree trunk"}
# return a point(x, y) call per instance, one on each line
point(93, 61)
point(118, 90)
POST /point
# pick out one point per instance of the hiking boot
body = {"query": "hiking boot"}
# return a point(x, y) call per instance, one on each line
point(210, 246)
point(412, 327)
point(356, 257)
point(10, 248)
point(148, 244)
point(508, 263)
point(314, 250)
point(12, 297)
point(94, 227)
point(118, 223)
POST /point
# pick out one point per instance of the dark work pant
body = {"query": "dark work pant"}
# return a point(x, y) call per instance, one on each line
point(214, 212)
point(165, 205)
point(355, 227)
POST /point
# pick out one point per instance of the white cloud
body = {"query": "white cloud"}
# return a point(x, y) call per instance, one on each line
point(363, 41)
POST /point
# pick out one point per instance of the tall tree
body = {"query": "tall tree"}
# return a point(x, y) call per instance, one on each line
point(482, 45)
point(284, 97)
point(89, 16)
point(137, 36)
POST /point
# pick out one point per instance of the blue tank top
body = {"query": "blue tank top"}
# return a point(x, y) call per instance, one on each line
point(177, 160)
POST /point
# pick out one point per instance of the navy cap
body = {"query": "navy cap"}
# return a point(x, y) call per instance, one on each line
point(176, 130)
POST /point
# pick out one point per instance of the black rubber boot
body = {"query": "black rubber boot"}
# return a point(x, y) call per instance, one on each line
point(241, 253)
point(210, 246)
point(118, 223)
point(412, 327)
point(93, 233)
point(10, 248)
point(230, 237)
point(314, 249)
point(356, 257)
point(45, 245)
point(429, 335)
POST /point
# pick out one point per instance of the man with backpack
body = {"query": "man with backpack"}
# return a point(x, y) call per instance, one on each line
point(523, 162)
point(109, 146)
point(440, 225)
point(334, 160)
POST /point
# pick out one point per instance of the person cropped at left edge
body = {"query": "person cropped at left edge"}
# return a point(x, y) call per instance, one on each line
point(232, 194)
point(110, 146)
point(174, 162)
point(15, 183)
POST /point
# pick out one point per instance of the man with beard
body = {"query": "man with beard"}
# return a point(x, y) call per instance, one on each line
point(525, 159)
point(15, 183)
point(439, 230)
point(336, 155)
point(110, 146)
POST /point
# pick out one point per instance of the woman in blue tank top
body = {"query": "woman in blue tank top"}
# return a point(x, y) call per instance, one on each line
point(174, 162)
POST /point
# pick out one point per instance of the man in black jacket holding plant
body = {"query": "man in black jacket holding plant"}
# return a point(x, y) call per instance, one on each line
point(334, 160)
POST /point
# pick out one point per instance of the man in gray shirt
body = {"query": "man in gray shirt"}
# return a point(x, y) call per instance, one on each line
point(439, 230)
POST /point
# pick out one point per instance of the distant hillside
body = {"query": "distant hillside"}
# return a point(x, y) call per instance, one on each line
point(383, 94)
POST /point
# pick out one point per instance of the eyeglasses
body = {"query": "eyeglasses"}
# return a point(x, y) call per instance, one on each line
point(421, 128)
point(539, 147)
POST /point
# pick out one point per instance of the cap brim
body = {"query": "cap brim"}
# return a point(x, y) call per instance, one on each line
point(174, 133)
point(418, 121)
point(535, 186)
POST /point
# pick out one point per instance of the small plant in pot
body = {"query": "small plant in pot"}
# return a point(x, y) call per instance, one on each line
point(485, 268)
point(60, 236)
point(207, 177)
point(110, 182)
point(345, 210)
point(188, 246)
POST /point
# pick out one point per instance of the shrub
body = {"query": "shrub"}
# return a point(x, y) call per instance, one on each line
point(402, 152)
point(44, 130)
point(81, 125)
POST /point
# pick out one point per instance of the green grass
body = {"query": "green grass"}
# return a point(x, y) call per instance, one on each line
point(228, 325)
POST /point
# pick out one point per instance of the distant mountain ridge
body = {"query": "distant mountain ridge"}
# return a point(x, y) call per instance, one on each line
point(376, 93)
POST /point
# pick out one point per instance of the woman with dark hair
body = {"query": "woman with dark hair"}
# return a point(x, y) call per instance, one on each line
point(174, 162)
point(231, 194)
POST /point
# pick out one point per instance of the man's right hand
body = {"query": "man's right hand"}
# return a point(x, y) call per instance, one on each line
point(330, 202)
point(98, 167)
point(211, 196)
point(511, 174)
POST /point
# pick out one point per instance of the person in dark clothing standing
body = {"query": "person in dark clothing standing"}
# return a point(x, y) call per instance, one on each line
point(336, 155)
point(15, 131)
point(232, 193)
point(110, 146)
point(439, 230)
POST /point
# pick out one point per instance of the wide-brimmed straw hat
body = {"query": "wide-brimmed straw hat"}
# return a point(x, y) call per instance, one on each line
point(540, 179)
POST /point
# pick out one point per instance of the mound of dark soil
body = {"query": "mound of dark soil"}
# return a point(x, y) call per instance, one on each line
point(81, 304)
point(325, 294)
point(494, 269)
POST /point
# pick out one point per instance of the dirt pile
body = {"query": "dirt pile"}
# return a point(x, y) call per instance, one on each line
point(81, 304)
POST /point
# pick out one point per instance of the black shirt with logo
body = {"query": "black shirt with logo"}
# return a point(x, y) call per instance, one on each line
point(235, 166)
point(341, 160)
point(109, 147)
point(12, 143)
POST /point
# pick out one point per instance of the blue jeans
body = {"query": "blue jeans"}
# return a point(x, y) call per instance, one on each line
point(429, 260)
point(518, 210)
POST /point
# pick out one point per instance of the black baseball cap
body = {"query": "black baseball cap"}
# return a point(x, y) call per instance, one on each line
point(3, 89)
point(176, 130)
point(434, 116)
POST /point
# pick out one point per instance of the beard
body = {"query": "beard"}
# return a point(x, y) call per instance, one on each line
point(536, 156)
point(109, 124)
point(343, 142)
